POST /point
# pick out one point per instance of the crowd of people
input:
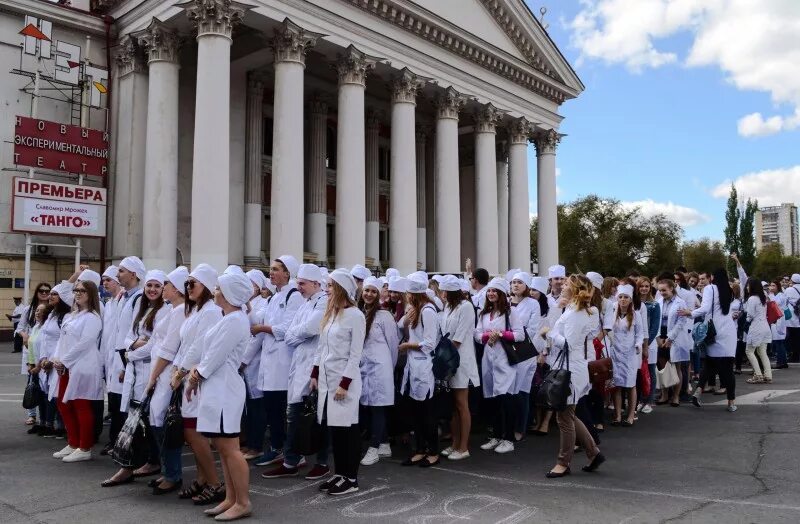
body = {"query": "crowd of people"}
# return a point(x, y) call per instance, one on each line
point(245, 354)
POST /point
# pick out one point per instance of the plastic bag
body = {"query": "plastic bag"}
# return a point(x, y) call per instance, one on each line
point(308, 437)
point(132, 449)
point(33, 392)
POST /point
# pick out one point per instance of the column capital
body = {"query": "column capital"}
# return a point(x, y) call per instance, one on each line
point(406, 85)
point(255, 84)
point(318, 106)
point(160, 41)
point(129, 57)
point(423, 129)
point(520, 130)
point(501, 150)
point(291, 42)
point(449, 103)
point(214, 17)
point(487, 118)
point(373, 121)
point(353, 66)
point(547, 142)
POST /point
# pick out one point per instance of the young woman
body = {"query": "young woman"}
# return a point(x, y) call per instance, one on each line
point(163, 355)
point(111, 360)
point(396, 305)
point(645, 288)
point(59, 305)
point(625, 353)
point(530, 316)
point(34, 370)
point(377, 368)
point(337, 377)
point(499, 321)
point(220, 392)
point(22, 332)
point(779, 328)
point(759, 334)
point(421, 322)
point(572, 333)
point(675, 340)
point(550, 315)
point(80, 370)
point(716, 306)
point(458, 322)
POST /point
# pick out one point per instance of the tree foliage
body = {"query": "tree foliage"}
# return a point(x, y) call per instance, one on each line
point(747, 238)
point(771, 263)
point(704, 255)
point(732, 217)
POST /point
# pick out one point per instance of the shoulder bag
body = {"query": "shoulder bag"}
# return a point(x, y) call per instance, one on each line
point(601, 369)
point(705, 333)
point(518, 351)
point(555, 390)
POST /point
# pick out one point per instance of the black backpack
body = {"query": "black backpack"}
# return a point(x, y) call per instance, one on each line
point(445, 359)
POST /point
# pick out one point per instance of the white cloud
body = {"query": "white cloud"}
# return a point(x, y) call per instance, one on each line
point(755, 44)
point(770, 187)
point(684, 216)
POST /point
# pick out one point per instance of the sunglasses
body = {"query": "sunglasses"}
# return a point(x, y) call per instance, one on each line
point(190, 284)
point(79, 291)
point(43, 291)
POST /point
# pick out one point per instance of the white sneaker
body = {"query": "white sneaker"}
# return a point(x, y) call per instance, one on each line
point(732, 409)
point(371, 457)
point(458, 455)
point(385, 450)
point(647, 409)
point(64, 452)
point(505, 446)
point(78, 456)
point(493, 443)
point(446, 452)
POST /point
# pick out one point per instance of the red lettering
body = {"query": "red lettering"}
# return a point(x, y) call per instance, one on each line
point(34, 187)
point(69, 193)
point(98, 196)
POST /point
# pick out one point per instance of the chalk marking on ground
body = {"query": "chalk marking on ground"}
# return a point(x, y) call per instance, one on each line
point(758, 398)
point(351, 510)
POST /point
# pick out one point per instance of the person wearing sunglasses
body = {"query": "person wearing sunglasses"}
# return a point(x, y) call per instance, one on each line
point(22, 330)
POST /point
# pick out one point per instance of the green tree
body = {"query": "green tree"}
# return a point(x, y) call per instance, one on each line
point(732, 217)
point(747, 238)
point(704, 255)
point(771, 263)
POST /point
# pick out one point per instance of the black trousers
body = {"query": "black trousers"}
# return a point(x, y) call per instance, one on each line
point(722, 366)
point(117, 417)
point(346, 442)
point(97, 409)
point(740, 354)
point(594, 403)
point(504, 415)
point(584, 414)
point(793, 344)
point(423, 422)
point(17, 342)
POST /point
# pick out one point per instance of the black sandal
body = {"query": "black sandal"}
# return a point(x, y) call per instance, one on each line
point(192, 491)
point(210, 496)
point(409, 462)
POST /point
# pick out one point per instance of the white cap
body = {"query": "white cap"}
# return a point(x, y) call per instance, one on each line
point(431, 294)
point(438, 278)
point(450, 283)
point(324, 271)
point(511, 272)
point(373, 282)
point(134, 265)
point(64, 292)
point(392, 272)
point(557, 271)
point(398, 284)
point(87, 275)
point(291, 264)
point(346, 280)
point(539, 284)
point(415, 286)
point(235, 287)
point(271, 287)
point(796, 278)
point(625, 289)
point(420, 276)
point(177, 277)
point(523, 277)
point(464, 283)
point(157, 275)
point(384, 281)
point(233, 269)
point(596, 279)
point(310, 272)
point(500, 284)
point(206, 275)
point(360, 272)
point(257, 277)
point(112, 272)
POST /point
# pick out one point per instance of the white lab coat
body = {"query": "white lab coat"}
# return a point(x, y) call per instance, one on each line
point(137, 371)
point(341, 343)
point(575, 329)
point(792, 297)
point(126, 309)
point(459, 325)
point(302, 339)
point(111, 369)
point(378, 360)
point(678, 330)
point(222, 394)
point(553, 314)
point(497, 375)
point(725, 343)
point(46, 342)
point(166, 349)
point(759, 332)
point(418, 380)
point(251, 360)
point(193, 330)
point(530, 315)
point(20, 316)
point(778, 329)
point(276, 356)
point(78, 350)
point(626, 350)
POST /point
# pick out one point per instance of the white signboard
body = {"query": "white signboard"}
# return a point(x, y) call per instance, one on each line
point(52, 208)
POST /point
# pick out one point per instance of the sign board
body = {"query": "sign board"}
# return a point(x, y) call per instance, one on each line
point(61, 147)
point(52, 208)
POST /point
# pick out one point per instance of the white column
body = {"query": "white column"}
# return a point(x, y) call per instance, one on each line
point(160, 218)
point(372, 197)
point(547, 206)
point(130, 149)
point(214, 20)
point(422, 135)
point(289, 44)
point(403, 184)
point(501, 152)
point(486, 228)
point(317, 190)
point(448, 214)
point(254, 178)
point(352, 68)
point(519, 223)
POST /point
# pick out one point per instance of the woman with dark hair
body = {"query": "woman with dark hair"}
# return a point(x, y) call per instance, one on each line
point(653, 313)
point(759, 333)
point(779, 327)
point(716, 307)
point(550, 314)
point(58, 307)
point(22, 332)
point(530, 315)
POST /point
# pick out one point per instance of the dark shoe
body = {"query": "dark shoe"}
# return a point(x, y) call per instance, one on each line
point(148, 474)
point(153, 483)
point(210, 496)
point(696, 402)
point(107, 449)
point(325, 486)
point(35, 429)
point(425, 463)
point(48, 432)
point(626, 424)
point(163, 491)
point(192, 491)
point(409, 462)
point(318, 471)
point(675, 404)
point(60, 434)
point(343, 486)
point(616, 422)
point(595, 463)
point(280, 472)
point(553, 475)
point(108, 483)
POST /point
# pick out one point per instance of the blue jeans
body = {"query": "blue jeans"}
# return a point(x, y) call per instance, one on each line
point(292, 458)
point(696, 365)
point(779, 347)
point(275, 409)
point(172, 467)
point(255, 425)
point(378, 427)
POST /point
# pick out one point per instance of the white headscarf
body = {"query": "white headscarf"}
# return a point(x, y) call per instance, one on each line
point(291, 264)
point(346, 280)
point(177, 277)
point(500, 284)
point(235, 287)
point(134, 265)
point(112, 272)
point(258, 278)
point(207, 276)
point(87, 275)
point(157, 275)
point(310, 272)
point(64, 292)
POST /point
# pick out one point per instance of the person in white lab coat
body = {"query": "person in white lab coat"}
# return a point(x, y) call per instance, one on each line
point(221, 391)
point(34, 371)
point(498, 321)
point(572, 333)
point(779, 328)
point(759, 334)
point(377, 368)
point(458, 323)
point(675, 337)
point(78, 363)
point(557, 275)
point(57, 309)
point(337, 377)
point(646, 295)
point(551, 311)
point(302, 338)
point(626, 350)
point(530, 315)
point(110, 282)
point(23, 326)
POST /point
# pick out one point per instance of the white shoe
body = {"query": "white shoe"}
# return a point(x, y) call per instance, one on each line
point(385, 450)
point(446, 452)
point(371, 457)
point(78, 456)
point(505, 446)
point(64, 452)
point(732, 408)
point(493, 443)
point(458, 455)
point(647, 409)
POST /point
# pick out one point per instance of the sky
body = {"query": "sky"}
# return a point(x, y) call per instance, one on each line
point(683, 98)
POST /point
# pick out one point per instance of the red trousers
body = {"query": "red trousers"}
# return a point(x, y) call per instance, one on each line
point(78, 417)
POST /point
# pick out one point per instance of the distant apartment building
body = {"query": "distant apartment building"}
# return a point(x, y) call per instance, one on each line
point(778, 225)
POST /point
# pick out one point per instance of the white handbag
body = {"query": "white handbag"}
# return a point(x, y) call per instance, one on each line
point(667, 377)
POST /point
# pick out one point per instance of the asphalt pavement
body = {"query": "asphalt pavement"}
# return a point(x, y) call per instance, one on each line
point(681, 465)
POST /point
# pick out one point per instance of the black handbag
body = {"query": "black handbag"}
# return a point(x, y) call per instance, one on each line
point(446, 359)
point(33, 392)
point(132, 447)
point(518, 351)
point(173, 421)
point(308, 437)
point(555, 389)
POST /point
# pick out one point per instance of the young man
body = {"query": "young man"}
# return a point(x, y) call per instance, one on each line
point(793, 324)
point(557, 275)
point(479, 280)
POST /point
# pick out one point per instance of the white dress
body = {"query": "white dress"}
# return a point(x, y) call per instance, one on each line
point(418, 380)
point(378, 360)
point(302, 339)
point(252, 355)
point(46, 344)
point(678, 330)
point(725, 343)
point(193, 330)
point(78, 350)
point(459, 325)
point(626, 350)
point(166, 349)
point(137, 371)
point(276, 356)
point(125, 311)
point(498, 376)
point(530, 315)
point(575, 330)
point(759, 332)
point(107, 341)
